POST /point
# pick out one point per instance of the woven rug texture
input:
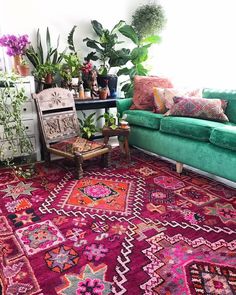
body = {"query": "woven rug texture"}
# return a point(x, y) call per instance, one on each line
point(135, 228)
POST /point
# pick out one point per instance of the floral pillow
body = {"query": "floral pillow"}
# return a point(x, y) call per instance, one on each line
point(203, 108)
point(163, 98)
point(143, 91)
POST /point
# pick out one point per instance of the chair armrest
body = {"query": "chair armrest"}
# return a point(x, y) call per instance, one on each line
point(123, 104)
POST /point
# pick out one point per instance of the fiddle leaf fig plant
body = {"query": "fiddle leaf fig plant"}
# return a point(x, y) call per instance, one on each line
point(104, 47)
point(137, 56)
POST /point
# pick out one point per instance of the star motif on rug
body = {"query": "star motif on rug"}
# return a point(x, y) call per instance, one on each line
point(61, 258)
point(226, 212)
point(19, 189)
point(91, 280)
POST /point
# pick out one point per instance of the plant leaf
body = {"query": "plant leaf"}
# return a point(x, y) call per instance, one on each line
point(130, 33)
point(98, 28)
point(48, 40)
point(70, 39)
point(120, 24)
point(151, 39)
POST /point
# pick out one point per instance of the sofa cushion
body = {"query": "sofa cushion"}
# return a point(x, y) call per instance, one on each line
point(229, 95)
point(143, 91)
point(203, 108)
point(193, 128)
point(143, 118)
point(224, 137)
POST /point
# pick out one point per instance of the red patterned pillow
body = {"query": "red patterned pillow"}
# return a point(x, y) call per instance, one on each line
point(199, 108)
point(143, 91)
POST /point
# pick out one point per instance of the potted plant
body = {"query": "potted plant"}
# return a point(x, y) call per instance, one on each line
point(110, 120)
point(16, 47)
point(147, 20)
point(39, 56)
point(105, 51)
point(137, 56)
point(23, 68)
point(87, 125)
point(46, 72)
point(16, 140)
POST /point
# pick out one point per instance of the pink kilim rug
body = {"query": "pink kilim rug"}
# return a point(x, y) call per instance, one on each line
point(136, 228)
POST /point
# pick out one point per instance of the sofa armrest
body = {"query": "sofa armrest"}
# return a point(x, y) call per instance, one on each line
point(123, 104)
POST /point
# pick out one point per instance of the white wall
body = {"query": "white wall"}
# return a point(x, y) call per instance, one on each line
point(198, 44)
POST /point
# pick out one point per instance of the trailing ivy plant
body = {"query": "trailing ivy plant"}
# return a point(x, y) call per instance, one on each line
point(15, 138)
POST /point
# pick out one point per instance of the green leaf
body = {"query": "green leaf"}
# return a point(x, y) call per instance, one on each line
point(70, 39)
point(48, 40)
point(40, 48)
point(151, 39)
point(139, 55)
point(123, 71)
point(141, 71)
point(130, 33)
point(120, 24)
point(98, 28)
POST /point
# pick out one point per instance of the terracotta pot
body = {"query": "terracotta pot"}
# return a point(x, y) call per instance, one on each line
point(103, 93)
point(23, 70)
point(16, 61)
point(48, 79)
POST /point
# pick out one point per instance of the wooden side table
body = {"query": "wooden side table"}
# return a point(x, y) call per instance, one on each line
point(124, 146)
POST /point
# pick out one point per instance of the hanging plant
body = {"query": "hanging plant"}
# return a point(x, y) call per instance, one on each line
point(16, 140)
point(148, 20)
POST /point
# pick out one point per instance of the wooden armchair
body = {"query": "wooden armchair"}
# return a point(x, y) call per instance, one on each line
point(60, 129)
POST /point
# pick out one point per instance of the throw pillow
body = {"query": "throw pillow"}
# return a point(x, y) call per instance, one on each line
point(169, 94)
point(159, 101)
point(143, 91)
point(199, 108)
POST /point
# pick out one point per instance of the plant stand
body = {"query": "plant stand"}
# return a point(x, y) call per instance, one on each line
point(120, 132)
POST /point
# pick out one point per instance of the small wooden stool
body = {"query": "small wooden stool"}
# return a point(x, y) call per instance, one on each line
point(124, 145)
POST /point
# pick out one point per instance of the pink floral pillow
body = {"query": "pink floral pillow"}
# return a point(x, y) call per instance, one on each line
point(143, 91)
point(203, 108)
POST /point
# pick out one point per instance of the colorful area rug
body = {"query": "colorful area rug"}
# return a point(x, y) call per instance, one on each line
point(137, 228)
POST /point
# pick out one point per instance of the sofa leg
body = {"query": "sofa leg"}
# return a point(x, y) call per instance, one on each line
point(179, 167)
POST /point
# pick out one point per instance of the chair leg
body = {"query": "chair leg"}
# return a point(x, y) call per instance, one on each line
point(47, 157)
point(78, 167)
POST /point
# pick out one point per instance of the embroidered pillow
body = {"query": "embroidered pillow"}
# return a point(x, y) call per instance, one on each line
point(203, 108)
point(143, 91)
point(169, 94)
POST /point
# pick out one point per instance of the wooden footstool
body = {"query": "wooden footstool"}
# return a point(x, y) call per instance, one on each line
point(124, 145)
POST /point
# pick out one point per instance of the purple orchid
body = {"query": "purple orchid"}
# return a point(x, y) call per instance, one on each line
point(15, 45)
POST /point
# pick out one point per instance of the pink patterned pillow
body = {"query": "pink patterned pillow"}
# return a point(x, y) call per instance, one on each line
point(143, 91)
point(170, 93)
point(199, 108)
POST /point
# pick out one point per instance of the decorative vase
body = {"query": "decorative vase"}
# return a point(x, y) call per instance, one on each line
point(16, 61)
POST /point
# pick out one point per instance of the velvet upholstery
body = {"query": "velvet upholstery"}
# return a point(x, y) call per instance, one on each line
point(144, 118)
point(229, 95)
point(192, 145)
point(224, 137)
point(198, 129)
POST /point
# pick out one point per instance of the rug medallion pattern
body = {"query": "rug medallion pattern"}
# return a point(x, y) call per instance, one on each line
point(137, 228)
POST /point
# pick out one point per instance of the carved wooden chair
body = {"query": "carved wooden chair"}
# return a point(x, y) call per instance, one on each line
point(60, 130)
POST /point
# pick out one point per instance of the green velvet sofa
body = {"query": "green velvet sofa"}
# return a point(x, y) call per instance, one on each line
point(207, 145)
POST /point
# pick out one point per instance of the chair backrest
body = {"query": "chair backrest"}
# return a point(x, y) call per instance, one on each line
point(57, 114)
